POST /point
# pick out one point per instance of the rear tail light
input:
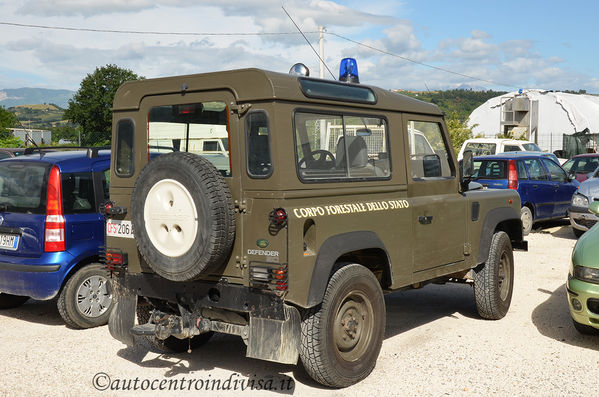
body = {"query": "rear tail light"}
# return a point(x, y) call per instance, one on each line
point(512, 176)
point(273, 278)
point(114, 260)
point(54, 235)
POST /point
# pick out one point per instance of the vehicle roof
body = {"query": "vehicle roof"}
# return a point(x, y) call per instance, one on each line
point(255, 85)
point(585, 155)
point(515, 154)
point(67, 160)
point(495, 140)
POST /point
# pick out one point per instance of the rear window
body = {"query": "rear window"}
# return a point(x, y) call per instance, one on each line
point(490, 169)
point(78, 193)
point(480, 149)
point(23, 187)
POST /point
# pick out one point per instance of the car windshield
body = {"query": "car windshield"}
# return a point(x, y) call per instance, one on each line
point(531, 147)
point(490, 169)
point(480, 148)
point(22, 187)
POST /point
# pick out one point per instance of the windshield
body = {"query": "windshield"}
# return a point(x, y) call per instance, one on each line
point(531, 147)
point(22, 187)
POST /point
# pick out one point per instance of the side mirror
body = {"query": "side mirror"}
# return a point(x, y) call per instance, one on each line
point(466, 170)
point(594, 207)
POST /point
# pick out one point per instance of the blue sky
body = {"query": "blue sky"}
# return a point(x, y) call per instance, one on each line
point(503, 45)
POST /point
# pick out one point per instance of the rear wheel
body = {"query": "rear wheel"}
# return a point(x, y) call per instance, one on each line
point(494, 282)
point(527, 220)
point(342, 337)
point(86, 298)
point(8, 301)
point(170, 344)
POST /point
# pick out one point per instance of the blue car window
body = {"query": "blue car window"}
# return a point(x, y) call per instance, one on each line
point(78, 193)
point(521, 170)
point(536, 171)
point(557, 174)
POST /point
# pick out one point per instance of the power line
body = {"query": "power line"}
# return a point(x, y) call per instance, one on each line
point(418, 62)
point(23, 25)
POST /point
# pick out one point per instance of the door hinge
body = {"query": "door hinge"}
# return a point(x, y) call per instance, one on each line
point(240, 207)
point(467, 249)
point(239, 109)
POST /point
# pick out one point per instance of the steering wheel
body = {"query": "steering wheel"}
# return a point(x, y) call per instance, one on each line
point(325, 160)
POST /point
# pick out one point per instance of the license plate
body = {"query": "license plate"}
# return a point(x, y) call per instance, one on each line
point(116, 228)
point(9, 241)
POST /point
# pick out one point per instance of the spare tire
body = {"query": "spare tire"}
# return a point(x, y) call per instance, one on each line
point(183, 216)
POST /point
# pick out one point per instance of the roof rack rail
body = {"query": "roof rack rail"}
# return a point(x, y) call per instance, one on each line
point(92, 151)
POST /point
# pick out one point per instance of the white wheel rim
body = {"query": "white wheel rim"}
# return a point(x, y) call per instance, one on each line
point(170, 217)
point(526, 220)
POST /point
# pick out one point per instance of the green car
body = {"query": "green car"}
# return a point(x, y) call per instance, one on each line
point(583, 280)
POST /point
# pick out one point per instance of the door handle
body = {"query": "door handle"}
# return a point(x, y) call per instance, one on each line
point(535, 186)
point(425, 220)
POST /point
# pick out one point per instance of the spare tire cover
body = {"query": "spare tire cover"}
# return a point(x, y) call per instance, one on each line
point(183, 216)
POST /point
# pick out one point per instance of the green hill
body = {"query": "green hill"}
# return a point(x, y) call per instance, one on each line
point(39, 116)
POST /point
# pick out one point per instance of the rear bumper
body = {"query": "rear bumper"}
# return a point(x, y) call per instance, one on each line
point(582, 218)
point(39, 278)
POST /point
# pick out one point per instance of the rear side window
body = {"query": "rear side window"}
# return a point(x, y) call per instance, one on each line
point(194, 128)
point(78, 193)
point(521, 170)
point(125, 132)
point(510, 148)
point(536, 171)
point(491, 169)
point(258, 145)
point(23, 187)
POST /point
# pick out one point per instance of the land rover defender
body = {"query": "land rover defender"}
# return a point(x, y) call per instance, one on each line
point(332, 194)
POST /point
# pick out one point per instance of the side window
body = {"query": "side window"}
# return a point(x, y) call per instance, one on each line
point(106, 184)
point(341, 147)
point(429, 153)
point(557, 174)
point(78, 193)
point(125, 132)
point(259, 163)
point(186, 127)
point(521, 170)
point(211, 146)
point(536, 171)
point(511, 148)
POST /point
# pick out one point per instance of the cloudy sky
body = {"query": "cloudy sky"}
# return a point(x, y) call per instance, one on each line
point(407, 44)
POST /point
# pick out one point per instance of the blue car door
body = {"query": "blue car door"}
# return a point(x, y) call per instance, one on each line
point(540, 189)
point(563, 188)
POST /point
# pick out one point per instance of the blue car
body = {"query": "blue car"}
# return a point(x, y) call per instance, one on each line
point(51, 233)
point(545, 188)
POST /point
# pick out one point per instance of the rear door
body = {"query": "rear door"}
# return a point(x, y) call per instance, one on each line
point(22, 207)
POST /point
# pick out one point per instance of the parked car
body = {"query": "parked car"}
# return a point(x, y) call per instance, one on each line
point(582, 166)
point(11, 152)
point(545, 188)
point(488, 146)
point(51, 233)
point(581, 218)
point(583, 280)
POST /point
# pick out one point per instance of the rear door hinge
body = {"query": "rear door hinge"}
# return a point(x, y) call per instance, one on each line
point(240, 207)
point(239, 109)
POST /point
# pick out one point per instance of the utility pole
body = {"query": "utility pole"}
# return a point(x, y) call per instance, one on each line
point(321, 50)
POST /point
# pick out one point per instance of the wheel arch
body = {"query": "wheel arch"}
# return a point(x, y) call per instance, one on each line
point(78, 265)
point(499, 219)
point(362, 247)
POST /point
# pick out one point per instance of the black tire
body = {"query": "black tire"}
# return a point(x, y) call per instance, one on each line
point(86, 300)
point(328, 358)
point(170, 344)
point(494, 280)
point(8, 301)
point(527, 220)
point(204, 193)
point(585, 329)
point(577, 232)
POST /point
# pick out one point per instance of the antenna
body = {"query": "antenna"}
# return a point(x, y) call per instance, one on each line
point(310, 44)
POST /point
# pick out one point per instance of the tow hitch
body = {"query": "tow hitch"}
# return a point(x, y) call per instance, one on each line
point(162, 325)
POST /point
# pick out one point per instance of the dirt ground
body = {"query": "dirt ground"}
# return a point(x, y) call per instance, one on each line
point(435, 345)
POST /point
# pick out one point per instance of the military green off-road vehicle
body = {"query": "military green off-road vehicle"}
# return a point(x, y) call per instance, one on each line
point(329, 194)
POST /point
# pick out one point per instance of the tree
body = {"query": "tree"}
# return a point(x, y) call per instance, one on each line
point(8, 120)
point(91, 105)
point(65, 133)
point(458, 131)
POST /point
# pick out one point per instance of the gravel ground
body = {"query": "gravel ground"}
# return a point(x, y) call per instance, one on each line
point(435, 345)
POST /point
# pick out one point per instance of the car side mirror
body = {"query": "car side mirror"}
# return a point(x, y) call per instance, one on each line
point(594, 207)
point(467, 170)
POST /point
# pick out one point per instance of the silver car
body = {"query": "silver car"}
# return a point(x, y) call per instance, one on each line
point(580, 216)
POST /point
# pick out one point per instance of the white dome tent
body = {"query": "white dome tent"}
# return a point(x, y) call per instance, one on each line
point(543, 117)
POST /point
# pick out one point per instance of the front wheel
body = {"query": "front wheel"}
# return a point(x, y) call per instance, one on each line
point(494, 282)
point(8, 301)
point(342, 337)
point(86, 298)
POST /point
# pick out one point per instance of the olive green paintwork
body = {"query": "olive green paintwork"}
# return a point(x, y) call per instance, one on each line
point(585, 253)
point(408, 251)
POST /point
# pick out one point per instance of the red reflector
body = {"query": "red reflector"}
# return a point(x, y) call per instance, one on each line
point(54, 235)
point(512, 176)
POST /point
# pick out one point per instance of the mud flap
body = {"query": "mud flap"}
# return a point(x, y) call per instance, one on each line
point(122, 317)
point(275, 340)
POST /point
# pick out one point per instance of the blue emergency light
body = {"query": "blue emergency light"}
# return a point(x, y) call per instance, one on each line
point(348, 71)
